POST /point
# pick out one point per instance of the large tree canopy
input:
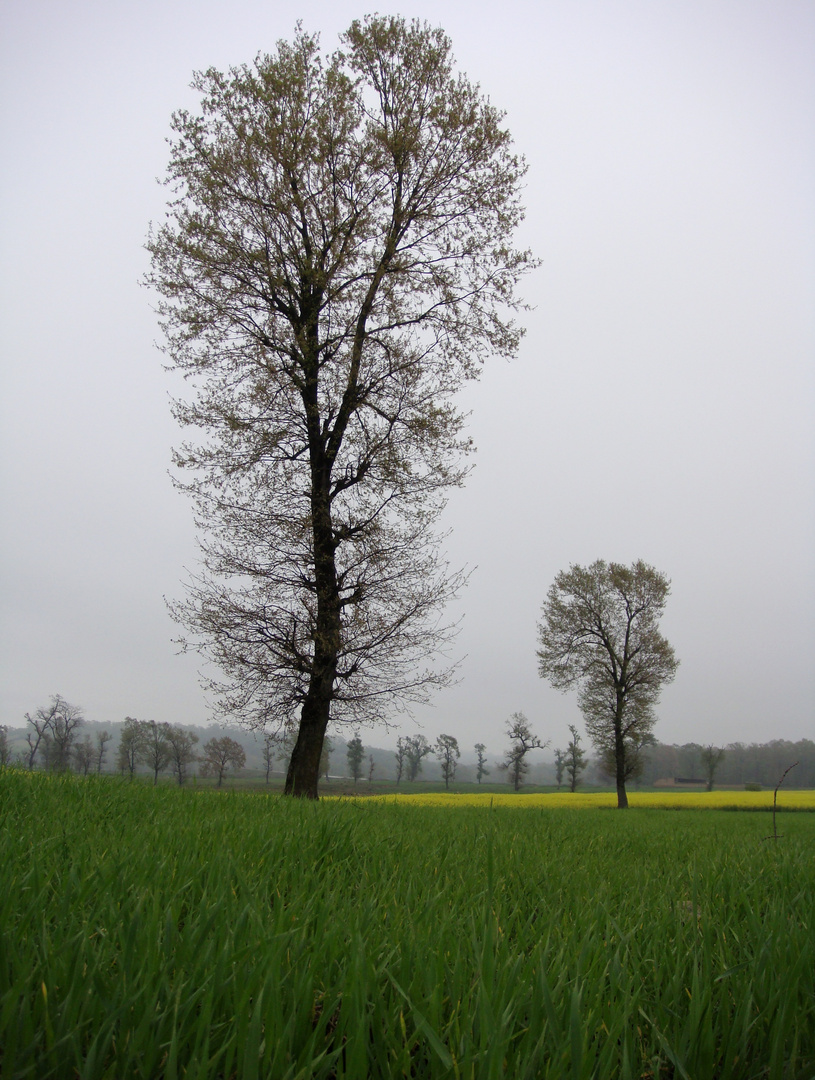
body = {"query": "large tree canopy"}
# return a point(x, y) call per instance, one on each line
point(337, 259)
point(600, 631)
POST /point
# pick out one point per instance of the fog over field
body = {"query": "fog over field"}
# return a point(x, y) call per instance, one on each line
point(661, 407)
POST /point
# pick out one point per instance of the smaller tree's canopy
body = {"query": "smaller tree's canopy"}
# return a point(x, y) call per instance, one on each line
point(600, 632)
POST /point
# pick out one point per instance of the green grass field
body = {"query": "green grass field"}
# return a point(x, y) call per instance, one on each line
point(164, 933)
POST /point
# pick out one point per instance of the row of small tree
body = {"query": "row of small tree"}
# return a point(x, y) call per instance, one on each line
point(411, 750)
point(163, 747)
point(53, 742)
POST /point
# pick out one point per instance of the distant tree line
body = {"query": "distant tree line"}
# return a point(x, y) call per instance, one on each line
point(57, 737)
point(740, 763)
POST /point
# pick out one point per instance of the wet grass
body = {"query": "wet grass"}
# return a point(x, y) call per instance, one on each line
point(166, 933)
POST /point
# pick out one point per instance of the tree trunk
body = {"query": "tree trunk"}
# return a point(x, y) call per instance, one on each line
point(303, 775)
point(619, 757)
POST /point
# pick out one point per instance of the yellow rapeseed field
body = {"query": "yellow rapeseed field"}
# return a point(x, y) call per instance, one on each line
point(662, 800)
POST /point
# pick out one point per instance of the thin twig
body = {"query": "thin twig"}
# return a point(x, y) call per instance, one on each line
point(775, 835)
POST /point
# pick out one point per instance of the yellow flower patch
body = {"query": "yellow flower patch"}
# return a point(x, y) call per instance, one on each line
point(667, 800)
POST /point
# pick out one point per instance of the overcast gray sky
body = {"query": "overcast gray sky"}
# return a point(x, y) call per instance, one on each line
point(662, 406)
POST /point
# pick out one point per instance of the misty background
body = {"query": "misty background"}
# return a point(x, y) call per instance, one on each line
point(661, 408)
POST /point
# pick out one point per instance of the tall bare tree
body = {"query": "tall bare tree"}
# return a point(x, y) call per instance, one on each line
point(600, 632)
point(336, 262)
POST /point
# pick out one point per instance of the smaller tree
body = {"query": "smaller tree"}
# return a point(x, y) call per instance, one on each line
point(448, 753)
point(712, 757)
point(182, 750)
point(355, 753)
point(575, 759)
point(102, 740)
point(130, 746)
point(154, 747)
point(371, 767)
point(221, 755)
point(401, 758)
point(600, 632)
point(523, 741)
point(560, 767)
point(417, 748)
point(481, 769)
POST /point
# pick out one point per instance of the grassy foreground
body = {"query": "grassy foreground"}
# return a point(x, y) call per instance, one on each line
point(165, 933)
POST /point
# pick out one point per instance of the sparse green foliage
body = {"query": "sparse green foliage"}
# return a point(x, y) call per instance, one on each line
point(5, 749)
point(448, 753)
point(600, 632)
point(336, 262)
